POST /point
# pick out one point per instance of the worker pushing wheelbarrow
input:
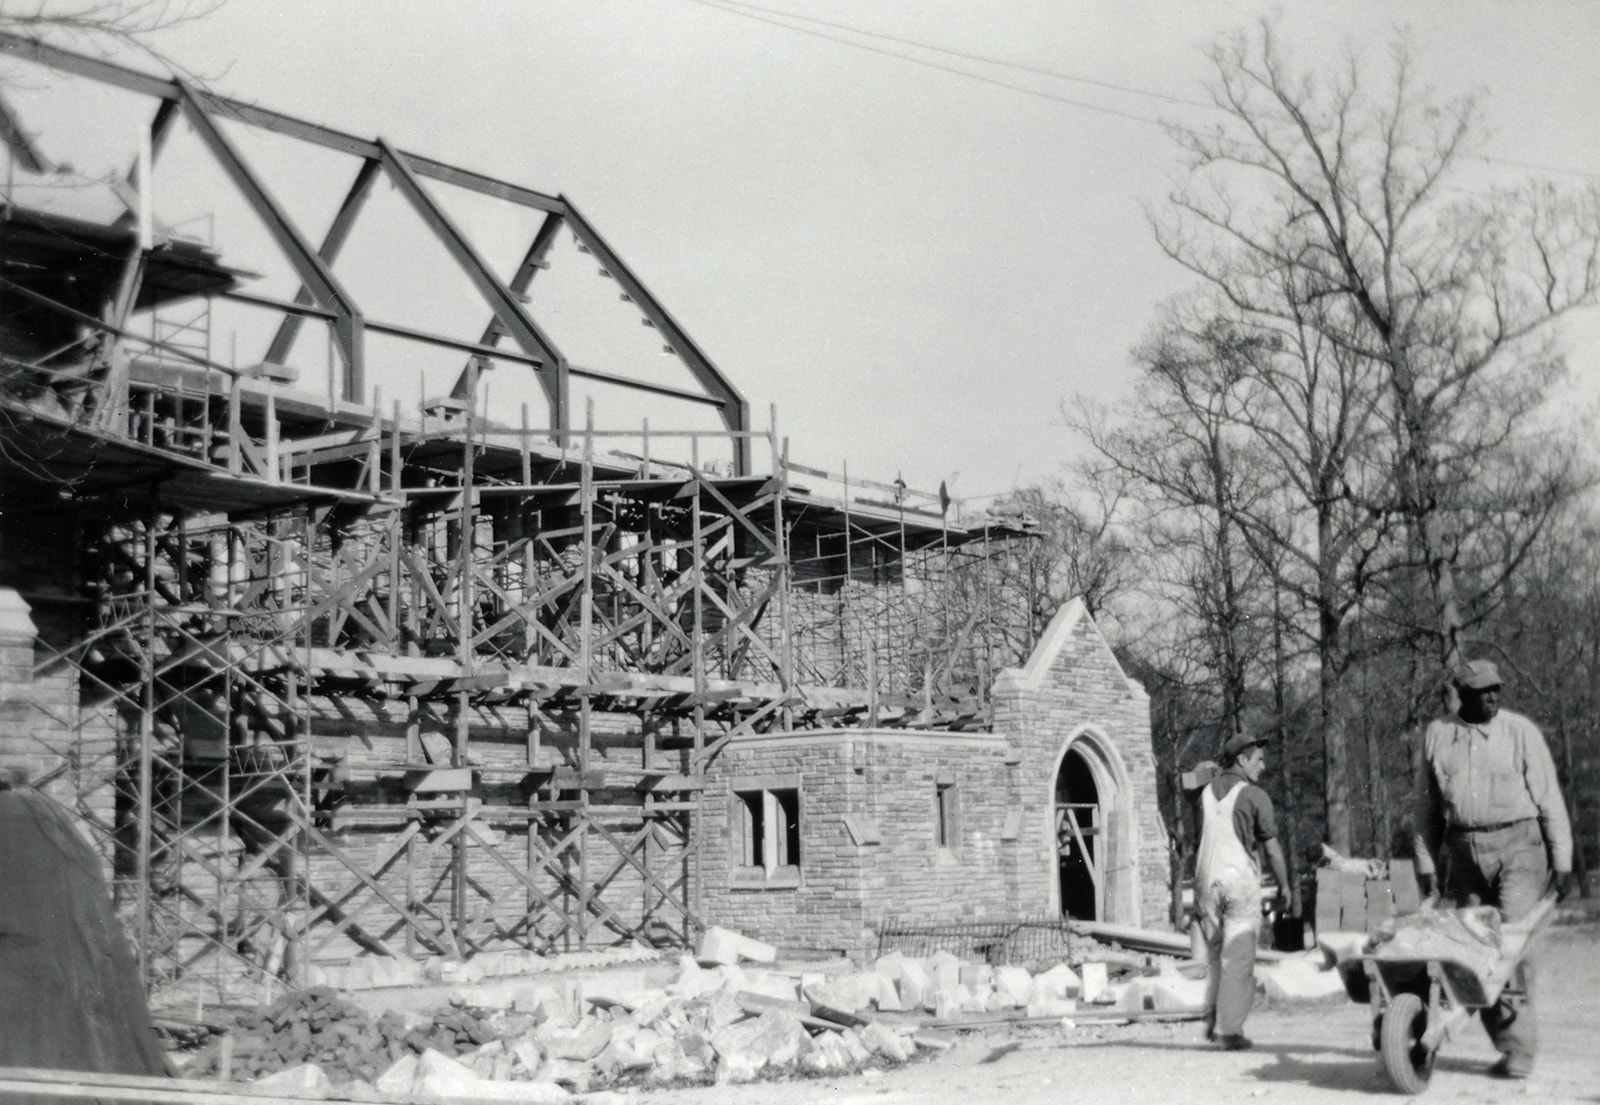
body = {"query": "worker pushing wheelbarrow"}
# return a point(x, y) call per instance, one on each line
point(1426, 975)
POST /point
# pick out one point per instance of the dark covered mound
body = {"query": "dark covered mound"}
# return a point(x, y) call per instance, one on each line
point(70, 996)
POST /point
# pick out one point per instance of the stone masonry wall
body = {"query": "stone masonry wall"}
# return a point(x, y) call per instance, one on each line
point(868, 834)
point(1073, 690)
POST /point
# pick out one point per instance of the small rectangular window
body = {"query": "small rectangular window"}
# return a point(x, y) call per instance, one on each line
point(947, 816)
point(767, 836)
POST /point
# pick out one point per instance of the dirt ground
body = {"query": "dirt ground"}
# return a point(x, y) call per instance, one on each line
point(1309, 1054)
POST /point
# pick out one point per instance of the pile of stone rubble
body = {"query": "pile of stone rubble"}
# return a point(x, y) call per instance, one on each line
point(729, 1013)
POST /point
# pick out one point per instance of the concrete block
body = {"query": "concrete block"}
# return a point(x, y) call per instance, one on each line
point(1093, 979)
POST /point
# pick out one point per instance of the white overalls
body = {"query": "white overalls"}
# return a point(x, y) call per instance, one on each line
point(1227, 885)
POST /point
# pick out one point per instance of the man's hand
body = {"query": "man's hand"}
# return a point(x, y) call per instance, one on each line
point(1428, 885)
point(1565, 885)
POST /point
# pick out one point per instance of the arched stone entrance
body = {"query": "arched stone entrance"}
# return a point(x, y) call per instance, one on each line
point(1093, 877)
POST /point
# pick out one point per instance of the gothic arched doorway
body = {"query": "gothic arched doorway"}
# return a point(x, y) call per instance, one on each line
point(1081, 839)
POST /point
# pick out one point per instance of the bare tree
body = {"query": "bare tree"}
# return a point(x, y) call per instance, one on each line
point(1335, 201)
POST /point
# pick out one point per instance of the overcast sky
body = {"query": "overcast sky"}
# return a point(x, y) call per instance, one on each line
point(915, 260)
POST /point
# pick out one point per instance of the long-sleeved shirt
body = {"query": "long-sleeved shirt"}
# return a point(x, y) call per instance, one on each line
point(1477, 775)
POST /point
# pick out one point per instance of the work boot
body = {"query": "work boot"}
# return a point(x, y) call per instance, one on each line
point(1235, 1043)
point(1513, 1065)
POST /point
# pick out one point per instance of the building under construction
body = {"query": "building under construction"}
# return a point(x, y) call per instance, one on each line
point(329, 675)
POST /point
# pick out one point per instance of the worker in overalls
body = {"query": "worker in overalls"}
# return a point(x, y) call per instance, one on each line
point(1237, 825)
point(1490, 817)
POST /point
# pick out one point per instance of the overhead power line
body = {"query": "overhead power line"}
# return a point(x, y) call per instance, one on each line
point(777, 18)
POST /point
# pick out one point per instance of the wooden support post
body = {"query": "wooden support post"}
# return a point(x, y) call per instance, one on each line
point(586, 666)
point(147, 734)
point(274, 473)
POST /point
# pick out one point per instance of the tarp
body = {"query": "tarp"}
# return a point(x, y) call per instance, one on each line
point(70, 995)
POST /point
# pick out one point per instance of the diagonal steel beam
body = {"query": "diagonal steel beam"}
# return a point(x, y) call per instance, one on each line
point(309, 267)
point(507, 307)
point(735, 410)
point(332, 243)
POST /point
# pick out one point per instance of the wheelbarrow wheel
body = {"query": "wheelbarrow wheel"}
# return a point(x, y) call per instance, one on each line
point(1407, 1062)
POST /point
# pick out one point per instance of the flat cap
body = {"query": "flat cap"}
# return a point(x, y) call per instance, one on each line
point(1476, 675)
point(1239, 742)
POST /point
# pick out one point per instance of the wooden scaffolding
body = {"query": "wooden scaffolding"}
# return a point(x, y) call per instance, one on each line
point(363, 680)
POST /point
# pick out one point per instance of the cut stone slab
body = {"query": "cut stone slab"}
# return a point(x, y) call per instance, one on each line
point(1052, 1007)
point(1176, 994)
point(882, 1040)
point(772, 985)
point(1015, 985)
point(890, 965)
point(582, 1044)
point(773, 1040)
point(398, 1080)
point(976, 976)
point(1058, 982)
point(1301, 980)
point(438, 1075)
point(693, 980)
point(720, 946)
point(916, 985)
point(305, 1078)
point(1094, 982)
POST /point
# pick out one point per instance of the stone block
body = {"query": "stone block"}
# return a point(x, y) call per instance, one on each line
point(1300, 979)
point(890, 965)
point(884, 1041)
point(544, 1003)
point(772, 985)
point(773, 1040)
point(693, 980)
point(1176, 994)
point(828, 1055)
point(888, 996)
point(977, 976)
point(1092, 977)
point(916, 985)
point(1051, 1007)
point(581, 1043)
point(438, 1075)
point(398, 1080)
point(307, 1078)
point(1015, 984)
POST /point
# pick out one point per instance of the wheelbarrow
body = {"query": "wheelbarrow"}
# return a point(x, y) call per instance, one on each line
point(1422, 995)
